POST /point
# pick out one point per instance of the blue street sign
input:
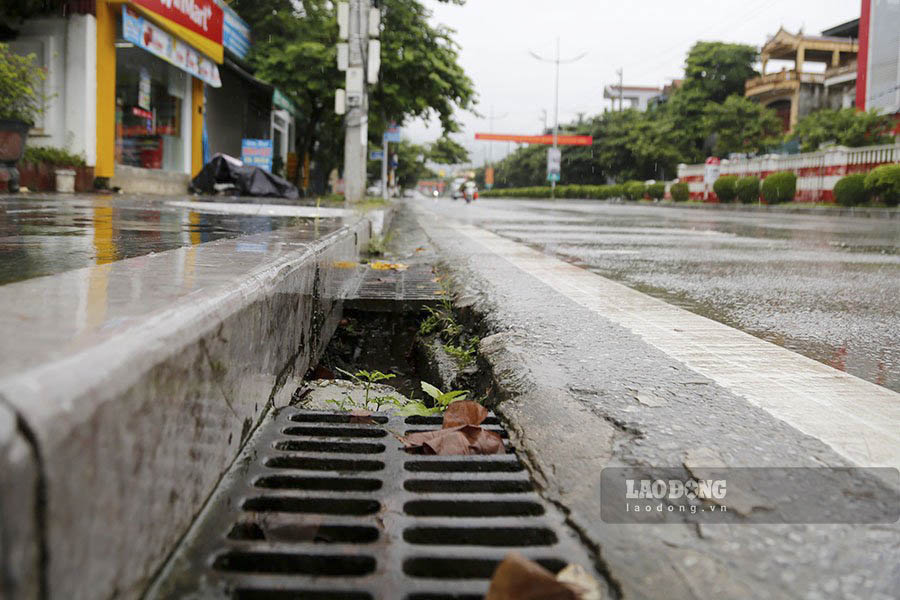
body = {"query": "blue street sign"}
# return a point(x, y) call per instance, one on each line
point(376, 155)
point(392, 136)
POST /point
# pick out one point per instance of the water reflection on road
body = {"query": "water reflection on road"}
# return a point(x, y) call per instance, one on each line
point(826, 287)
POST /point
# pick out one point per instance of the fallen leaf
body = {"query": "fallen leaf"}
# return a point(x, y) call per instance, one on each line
point(344, 264)
point(464, 412)
point(420, 249)
point(454, 441)
point(361, 417)
point(518, 578)
point(321, 372)
point(578, 578)
point(386, 266)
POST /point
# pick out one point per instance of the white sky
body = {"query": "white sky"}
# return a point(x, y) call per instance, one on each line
point(649, 39)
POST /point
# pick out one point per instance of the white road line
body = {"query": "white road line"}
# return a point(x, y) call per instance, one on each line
point(858, 419)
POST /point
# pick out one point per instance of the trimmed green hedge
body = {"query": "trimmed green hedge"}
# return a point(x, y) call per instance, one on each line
point(635, 190)
point(747, 189)
point(593, 192)
point(680, 192)
point(57, 157)
point(656, 191)
point(883, 183)
point(779, 187)
point(724, 187)
point(851, 190)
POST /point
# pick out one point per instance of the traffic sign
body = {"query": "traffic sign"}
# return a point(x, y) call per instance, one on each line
point(376, 155)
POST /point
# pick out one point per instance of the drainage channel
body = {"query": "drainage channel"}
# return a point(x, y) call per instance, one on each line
point(322, 506)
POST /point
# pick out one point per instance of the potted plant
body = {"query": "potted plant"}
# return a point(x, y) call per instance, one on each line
point(20, 102)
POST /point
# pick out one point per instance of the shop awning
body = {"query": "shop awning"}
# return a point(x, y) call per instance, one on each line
point(283, 102)
point(247, 76)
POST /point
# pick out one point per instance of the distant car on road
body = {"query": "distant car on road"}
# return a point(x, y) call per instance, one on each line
point(456, 188)
point(374, 189)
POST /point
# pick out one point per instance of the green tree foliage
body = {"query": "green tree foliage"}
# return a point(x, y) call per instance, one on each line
point(445, 151)
point(846, 127)
point(717, 70)
point(20, 80)
point(883, 183)
point(742, 126)
point(779, 187)
point(724, 187)
point(411, 165)
point(747, 189)
point(294, 48)
point(851, 190)
point(680, 192)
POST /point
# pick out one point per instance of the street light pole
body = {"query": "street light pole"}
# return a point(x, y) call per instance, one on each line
point(557, 61)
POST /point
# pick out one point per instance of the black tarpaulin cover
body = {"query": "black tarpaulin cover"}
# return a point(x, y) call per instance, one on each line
point(249, 181)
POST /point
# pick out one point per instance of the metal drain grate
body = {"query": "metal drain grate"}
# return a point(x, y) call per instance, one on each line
point(321, 508)
point(395, 291)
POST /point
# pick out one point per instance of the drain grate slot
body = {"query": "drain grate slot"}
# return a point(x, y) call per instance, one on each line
point(245, 594)
point(296, 564)
point(480, 536)
point(472, 509)
point(340, 447)
point(468, 486)
point(334, 418)
point(334, 484)
point(441, 567)
point(463, 466)
point(325, 506)
point(339, 432)
point(319, 507)
point(320, 534)
point(307, 463)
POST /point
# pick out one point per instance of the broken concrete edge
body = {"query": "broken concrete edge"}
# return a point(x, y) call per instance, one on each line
point(132, 435)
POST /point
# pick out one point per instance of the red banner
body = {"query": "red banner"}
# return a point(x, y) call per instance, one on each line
point(203, 17)
point(561, 140)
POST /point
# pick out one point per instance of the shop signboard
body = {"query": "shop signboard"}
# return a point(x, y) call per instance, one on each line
point(257, 153)
point(203, 18)
point(144, 86)
point(235, 32)
point(144, 34)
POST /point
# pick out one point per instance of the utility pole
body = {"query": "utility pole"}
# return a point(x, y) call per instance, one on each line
point(491, 120)
point(556, 61)
point(621, 91)
point(357, 120)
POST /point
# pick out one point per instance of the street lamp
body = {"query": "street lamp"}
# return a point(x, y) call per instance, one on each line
point(557, 61)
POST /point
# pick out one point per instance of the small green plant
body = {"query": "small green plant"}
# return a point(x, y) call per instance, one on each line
point(440, 401)
point(57, 157)
point(20, 84)
point(851, 190)
point(725, 189)
point(367, 379)
point(779, 187)
point(883, 183)
point(656, 191)
point(464, 355)
point(747, 189)
point(680, 192)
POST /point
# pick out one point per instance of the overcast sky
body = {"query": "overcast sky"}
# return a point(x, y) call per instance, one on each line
point(648, 39)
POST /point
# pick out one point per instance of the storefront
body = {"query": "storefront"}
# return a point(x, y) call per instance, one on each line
point(153, 59)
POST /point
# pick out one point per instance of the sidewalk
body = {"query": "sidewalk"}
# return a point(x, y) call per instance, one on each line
point(594, 374)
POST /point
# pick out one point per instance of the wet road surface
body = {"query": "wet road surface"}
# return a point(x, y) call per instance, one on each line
point(48, 235)
point(826, 287)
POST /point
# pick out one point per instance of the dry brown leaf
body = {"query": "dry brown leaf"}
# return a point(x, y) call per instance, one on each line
point(361, 417)
point(454, 441)
point(582, 582)
point(386, 266)
point(464, 412)
point(518, 578)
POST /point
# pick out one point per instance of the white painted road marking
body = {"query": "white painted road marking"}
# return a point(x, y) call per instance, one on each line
point(858, 419)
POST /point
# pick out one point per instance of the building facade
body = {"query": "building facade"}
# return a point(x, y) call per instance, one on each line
point(637, 97)
point(794, 92)
point(878, 81)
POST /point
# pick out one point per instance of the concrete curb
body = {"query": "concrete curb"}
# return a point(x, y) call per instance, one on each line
point(133, 427)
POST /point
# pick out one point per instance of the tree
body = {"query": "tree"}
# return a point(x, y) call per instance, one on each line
point(294, 48)
point(741, 125)
point(445, 151)
point(846, 127)
point(411, 166)
point(717, 70)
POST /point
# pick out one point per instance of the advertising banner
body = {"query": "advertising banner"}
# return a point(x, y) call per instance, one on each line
point(144, 34)
point(554, 164)
point(257, 153)
point(235, 33)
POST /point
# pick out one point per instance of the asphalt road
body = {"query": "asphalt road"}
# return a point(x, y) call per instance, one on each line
point(826, 287)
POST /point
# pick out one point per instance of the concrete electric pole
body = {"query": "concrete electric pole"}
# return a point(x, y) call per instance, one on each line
point(356, 139)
